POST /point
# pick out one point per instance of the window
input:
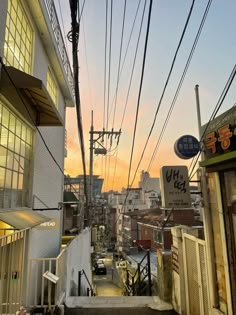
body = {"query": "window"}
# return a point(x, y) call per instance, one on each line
point(15, 154)
point(18, 44)
point(51, 86)
point(158, 236)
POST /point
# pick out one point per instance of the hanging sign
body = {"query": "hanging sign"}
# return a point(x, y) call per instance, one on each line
point(175, 191)
point(186, 147)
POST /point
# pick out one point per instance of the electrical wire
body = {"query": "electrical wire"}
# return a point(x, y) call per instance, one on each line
point(81, 12)
point(75, 39)
point(105, 80)
point(140, 87)
point(105, 67)
point(109, 82)
point(118, 70)
point(123, 62)
point(138, 103)
point(134, 62)
point(165, 86)
point(109, 68)
point(117, 82)
point(180, 83)
point(198, 156)
point(216, 110)
point(126, 51)
point(160, 101)
point(133, 66)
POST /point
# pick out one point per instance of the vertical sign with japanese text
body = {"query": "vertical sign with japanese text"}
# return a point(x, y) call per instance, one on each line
point(175, 191)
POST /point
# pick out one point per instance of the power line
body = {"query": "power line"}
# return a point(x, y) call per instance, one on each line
point(165, 86)
point(140, 88)
point(109, 81)
point(133, 66)
point(105, 79)
point(105, 67)
point(81, 12)
point(127, 48)
point(142, 73)
point(160, 101)
point(216, 109)
point(75, 39)
point(118, 71)
point(86, 60)
point(180, 83)
point(131, 77)
point(117, 82)
point(109, 69)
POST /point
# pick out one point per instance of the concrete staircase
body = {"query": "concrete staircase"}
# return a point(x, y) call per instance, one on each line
point(117, 305)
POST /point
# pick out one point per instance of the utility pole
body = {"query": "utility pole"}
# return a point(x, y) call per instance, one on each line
point(91, 162)
point(73, 37)
point(98, 138)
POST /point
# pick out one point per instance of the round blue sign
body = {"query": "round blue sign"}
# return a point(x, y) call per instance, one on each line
point(186, 147)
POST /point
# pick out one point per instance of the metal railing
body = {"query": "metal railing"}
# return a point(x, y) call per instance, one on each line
point(52, 14)
point(90, 289)
point(140, 282)
point(12, 271)
point(43, 293)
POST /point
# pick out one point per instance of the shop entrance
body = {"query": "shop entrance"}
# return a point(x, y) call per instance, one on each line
point(228, 186)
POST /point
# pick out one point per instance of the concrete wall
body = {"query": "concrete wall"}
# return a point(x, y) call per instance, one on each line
point(78, 259)
point(48, 179)
point(45, 241)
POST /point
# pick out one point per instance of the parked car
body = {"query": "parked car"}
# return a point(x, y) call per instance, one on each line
point(100, 269)
point(97, 262)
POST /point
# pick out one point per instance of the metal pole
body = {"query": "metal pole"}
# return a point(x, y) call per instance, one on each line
point(198, 110)
point(149, 274)
point(139, 278)
point(79, 282)
point(91, 167)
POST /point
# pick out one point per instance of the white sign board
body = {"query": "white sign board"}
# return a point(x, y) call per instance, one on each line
point(175, 191)
point(121, 264)
point(50, 276)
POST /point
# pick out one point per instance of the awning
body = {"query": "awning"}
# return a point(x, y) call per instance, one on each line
point(22, 219)
point(34, 91)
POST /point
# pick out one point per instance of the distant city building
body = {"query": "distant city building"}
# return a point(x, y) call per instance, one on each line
point(76, 185)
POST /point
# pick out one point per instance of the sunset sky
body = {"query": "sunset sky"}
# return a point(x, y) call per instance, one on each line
point(211, 65)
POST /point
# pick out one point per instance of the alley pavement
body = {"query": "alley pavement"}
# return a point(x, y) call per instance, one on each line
point(104, 284)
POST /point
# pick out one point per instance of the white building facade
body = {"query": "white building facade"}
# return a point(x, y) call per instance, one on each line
point(35, 89)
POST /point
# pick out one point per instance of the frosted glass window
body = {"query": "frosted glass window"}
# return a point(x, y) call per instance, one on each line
point(18, 38)
point(15, 157)
point(52, 87)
